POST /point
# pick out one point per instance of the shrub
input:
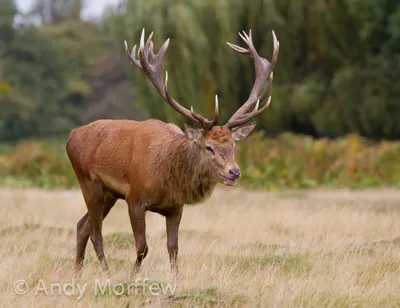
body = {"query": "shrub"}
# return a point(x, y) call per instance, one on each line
point(288, 161)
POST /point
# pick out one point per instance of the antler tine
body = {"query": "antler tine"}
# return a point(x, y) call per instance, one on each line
point(216, 111)
point(158, 58)
point(151, 50)
point(247, 117)
point(263, 71)
point(275, 52)
point(149, 47)
point(132, 56)
point(207, 123)
point(144, 50)
point(153, 71)
point(238, 48)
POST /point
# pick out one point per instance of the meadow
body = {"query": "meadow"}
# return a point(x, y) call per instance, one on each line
point(241, 248)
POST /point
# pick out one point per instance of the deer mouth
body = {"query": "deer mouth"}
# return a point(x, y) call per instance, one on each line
point(227, 180)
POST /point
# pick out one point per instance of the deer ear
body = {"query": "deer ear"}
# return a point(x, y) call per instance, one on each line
point(243, 131)
point(193, 134)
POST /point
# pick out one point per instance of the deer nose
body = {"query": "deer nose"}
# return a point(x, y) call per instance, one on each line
point(235, 172)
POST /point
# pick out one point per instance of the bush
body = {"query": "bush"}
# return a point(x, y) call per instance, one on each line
point(37, 164)
point(288, 161)
point(294, 161)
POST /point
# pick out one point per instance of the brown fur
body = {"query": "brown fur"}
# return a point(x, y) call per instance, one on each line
point(178, 173)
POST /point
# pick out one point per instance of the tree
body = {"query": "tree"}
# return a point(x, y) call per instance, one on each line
point(82, 48)
point(57, 11)
point(7, 12)
point(338, 69)
point(33, 69)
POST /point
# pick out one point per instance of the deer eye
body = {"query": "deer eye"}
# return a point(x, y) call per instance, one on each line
point(210, 149)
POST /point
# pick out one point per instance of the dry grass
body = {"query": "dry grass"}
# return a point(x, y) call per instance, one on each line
point(239, 249)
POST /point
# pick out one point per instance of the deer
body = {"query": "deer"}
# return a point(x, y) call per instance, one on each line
point(156, 166)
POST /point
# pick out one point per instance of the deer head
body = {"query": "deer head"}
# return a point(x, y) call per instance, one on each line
point(215, 142)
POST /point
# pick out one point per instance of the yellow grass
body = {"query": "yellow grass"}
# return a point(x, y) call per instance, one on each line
point(239, 249)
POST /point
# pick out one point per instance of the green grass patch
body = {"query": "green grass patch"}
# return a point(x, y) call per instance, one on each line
point(327, 299)
point(210, 297)
point(123, 240)
point(287, 263)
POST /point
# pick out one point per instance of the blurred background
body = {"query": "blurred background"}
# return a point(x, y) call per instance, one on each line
point(333, 120)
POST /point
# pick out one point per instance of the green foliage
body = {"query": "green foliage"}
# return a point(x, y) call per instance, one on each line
point(56, 11)
point(338, 71)
point(36, 164)
point(7, 12)
point(45, 78)
point(30, 51)
point(289, 161)
point(82, 49)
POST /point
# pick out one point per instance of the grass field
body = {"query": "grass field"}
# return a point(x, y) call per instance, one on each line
point(239, 249)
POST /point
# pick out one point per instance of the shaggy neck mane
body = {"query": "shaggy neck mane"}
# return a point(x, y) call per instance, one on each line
point(189, 179)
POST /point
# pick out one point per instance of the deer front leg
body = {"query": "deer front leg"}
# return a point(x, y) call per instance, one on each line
point(173, 220)
point(138, 223)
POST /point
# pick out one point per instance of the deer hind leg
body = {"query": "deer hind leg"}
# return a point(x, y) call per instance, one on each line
point(137, 217)
point(82, 237)
point(99, 203)
point(83, 232)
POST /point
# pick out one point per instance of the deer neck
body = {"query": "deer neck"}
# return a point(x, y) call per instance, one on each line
point(191, 178)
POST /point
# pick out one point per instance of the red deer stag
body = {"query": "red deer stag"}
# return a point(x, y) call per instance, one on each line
point(155, 166)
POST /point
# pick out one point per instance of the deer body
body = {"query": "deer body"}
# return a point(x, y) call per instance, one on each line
point(156, 166)
point(150, 159)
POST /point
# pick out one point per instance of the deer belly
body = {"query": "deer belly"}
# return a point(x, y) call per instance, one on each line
point(115, 183)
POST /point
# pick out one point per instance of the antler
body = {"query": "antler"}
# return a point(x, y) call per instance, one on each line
point(153, 71)
point(264, 69)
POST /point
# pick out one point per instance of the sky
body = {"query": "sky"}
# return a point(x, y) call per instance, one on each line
point(93, 8)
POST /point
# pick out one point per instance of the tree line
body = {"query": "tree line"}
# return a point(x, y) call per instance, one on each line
point(338, 70)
